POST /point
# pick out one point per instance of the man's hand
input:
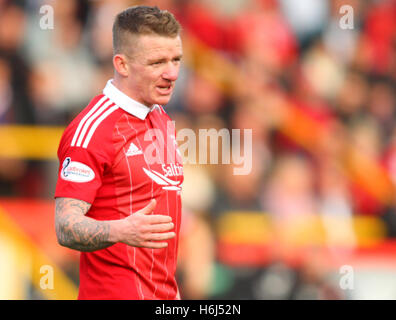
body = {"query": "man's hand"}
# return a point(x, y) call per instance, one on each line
point(142, 229)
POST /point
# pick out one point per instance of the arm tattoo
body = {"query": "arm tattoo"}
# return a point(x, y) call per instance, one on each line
point(76, 231)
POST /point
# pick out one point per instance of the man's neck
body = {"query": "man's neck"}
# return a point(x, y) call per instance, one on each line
point(123, 87)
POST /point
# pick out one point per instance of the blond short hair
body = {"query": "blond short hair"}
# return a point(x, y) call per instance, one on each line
point(142, 20)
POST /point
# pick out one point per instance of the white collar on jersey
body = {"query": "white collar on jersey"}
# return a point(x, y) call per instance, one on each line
point(125, 102)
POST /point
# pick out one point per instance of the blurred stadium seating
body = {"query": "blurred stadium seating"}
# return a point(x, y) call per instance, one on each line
point(321, 102)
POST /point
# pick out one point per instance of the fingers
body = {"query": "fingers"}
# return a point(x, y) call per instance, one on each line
point(156, 218)
point(162, 236)
point(156, 233)
point(154, 245)
point(149, 208)
point(155, 237)
point(161, 227)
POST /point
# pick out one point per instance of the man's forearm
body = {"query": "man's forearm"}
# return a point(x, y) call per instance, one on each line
point(142, 229)
point(77, 231)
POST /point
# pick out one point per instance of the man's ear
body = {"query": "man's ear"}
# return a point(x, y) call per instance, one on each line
point(120, 64)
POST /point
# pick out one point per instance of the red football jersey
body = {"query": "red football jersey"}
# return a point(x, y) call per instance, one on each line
point(118, 154)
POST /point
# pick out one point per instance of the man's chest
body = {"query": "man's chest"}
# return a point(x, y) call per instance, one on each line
point(146, 155)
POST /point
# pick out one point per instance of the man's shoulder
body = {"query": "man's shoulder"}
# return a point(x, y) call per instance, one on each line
point(93, 106)
point(90, 127)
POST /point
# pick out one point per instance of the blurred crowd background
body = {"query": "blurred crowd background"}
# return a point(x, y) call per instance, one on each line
point(320, 100)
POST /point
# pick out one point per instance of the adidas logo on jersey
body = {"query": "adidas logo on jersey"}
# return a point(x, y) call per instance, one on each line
point(133, 150)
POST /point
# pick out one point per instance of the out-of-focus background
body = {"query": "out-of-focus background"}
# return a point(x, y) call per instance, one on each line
point(316, 216)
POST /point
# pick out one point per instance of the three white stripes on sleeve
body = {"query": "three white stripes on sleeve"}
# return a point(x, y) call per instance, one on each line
point(102, 110)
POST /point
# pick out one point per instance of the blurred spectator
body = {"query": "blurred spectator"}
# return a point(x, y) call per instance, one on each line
point(197, 103)
point(315, 282)
point(58, 57)
point(380, 28)
point(289, 194)
point(16, 107)
point(341, 43)
point(382, 104)
point(365, 142)
point(264, 38)
point(335, 207)
point(196, 256)
point(15, 104)
point(352, 97)
point(323, 73)
point(307, 18)
point(204, 22)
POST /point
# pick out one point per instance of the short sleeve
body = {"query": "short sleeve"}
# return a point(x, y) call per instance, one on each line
point(80, 173)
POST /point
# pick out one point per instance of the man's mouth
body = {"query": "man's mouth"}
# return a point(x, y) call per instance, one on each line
point(164, 89)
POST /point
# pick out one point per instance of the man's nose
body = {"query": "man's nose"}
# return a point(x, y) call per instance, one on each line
point(171, 72)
